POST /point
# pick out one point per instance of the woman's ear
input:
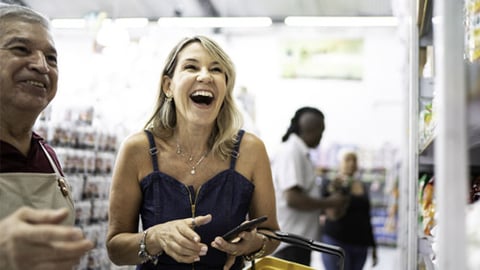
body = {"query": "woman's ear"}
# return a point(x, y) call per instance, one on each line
point(166, 86)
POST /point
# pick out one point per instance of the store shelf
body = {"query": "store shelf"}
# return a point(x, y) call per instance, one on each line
point(87, 156)
point(449, 151)
point(427, 145)
point(424, 21)
point(426, 150)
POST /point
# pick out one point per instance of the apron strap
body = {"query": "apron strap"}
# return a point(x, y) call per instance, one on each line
point(62, 184)
point(50, 159)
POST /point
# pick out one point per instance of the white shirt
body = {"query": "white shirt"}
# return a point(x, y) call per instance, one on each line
point(291, 166)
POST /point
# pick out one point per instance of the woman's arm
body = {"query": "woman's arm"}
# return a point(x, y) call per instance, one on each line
point(253, 155)
point(123, 238)
point(253, 163)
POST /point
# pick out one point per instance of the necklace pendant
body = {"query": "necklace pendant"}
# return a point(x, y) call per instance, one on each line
point(192, 172)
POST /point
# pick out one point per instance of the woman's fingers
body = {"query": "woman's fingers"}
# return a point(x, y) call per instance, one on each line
point(180, 241)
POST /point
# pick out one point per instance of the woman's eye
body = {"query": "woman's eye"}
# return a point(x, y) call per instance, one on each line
point(217, 69)
point(190, 67)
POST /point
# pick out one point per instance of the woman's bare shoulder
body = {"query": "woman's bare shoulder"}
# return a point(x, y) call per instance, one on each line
point(252, 142)
point(134, 142)
point(253, 147)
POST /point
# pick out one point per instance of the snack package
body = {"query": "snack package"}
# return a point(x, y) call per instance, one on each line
point(421, 186)
point(428, 207)
point(475, 190)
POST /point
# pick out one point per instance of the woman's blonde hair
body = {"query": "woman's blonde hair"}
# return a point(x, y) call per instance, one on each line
point(346, 156)
point(163, 121)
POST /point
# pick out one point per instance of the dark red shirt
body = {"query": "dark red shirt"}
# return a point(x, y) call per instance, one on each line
point(12, 160)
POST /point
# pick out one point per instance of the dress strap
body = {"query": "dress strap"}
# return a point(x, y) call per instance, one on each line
point(236, 148)
point(152, 150)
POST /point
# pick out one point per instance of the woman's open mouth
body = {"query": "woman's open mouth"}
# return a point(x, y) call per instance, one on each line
point(202, 97)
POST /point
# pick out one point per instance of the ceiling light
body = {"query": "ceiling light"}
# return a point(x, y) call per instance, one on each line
point(361, 21)
point(82, 23)
point(69, 23)
point(215, 22)
point(112, 34)
point(132, 22)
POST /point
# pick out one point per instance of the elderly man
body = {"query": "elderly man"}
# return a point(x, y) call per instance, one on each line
point(36, 209)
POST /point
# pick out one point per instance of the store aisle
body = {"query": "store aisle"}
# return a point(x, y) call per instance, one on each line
point(387, 260)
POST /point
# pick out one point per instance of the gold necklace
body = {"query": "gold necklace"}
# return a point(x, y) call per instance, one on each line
point(190, 159)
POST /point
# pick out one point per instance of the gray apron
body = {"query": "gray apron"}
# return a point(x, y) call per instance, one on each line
point(36, 190)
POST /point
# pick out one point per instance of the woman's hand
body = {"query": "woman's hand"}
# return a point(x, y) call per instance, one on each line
point(247, 242)
point(178, 239)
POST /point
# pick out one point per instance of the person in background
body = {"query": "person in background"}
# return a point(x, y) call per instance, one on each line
point(350, 227)
point(192, 174)
point(299, 204)
point(36, 209)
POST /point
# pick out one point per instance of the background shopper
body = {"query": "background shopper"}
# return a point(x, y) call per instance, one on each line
point(299, 203)
point(351, 227)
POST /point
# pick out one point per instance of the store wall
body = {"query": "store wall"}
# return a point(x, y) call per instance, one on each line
point(366, 112)
point(121, 82)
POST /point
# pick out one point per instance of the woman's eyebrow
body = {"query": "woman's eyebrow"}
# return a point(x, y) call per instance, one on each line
point(196, 61)
point(189, 60)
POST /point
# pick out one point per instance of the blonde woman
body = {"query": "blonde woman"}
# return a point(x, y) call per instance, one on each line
point(192, 174)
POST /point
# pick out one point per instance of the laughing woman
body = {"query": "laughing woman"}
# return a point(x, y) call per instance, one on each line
point(192, 174)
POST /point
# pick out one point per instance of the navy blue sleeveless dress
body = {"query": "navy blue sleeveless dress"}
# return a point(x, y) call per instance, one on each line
point(226, 197)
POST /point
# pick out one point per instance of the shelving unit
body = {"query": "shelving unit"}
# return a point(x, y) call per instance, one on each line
point(87, 156)
point(449, 150)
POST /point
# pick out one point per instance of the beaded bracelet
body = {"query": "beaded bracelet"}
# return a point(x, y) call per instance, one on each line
point(258, 254)
point(143, 253)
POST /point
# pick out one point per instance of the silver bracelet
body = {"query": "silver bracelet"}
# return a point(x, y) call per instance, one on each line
point(143, 253)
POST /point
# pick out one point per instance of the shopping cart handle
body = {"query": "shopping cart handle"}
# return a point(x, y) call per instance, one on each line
point(307, 243)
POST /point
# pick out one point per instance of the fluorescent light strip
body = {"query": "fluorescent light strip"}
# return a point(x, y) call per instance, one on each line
point(69, 23)
point(132, 22)
point(82, 23)
point(342, 21)
point(214, 22)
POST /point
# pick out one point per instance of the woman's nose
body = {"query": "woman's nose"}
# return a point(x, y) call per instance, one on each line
point(204, 75)
point(39, 62)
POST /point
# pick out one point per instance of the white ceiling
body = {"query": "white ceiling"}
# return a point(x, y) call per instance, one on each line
point(153, 9)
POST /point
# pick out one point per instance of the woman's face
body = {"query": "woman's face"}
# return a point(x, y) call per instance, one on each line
point(198, 86)
point(349, 164)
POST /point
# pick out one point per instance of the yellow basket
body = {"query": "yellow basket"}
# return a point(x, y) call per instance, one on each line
point(272, 263)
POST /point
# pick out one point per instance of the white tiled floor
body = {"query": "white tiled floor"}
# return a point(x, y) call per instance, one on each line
point(387, 260)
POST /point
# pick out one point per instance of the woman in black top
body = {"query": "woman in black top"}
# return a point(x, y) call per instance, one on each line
point(350, 227)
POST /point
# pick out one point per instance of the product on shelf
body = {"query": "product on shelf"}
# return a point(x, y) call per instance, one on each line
point(428, 207)
point(87, 155)
point(421, 184)
point(427, 124)
point(473, 235)
point(475, 190)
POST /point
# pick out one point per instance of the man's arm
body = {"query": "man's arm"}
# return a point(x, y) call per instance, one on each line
point(298, 199)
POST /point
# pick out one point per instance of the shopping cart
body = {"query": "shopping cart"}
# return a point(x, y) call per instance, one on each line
point(272, 263)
